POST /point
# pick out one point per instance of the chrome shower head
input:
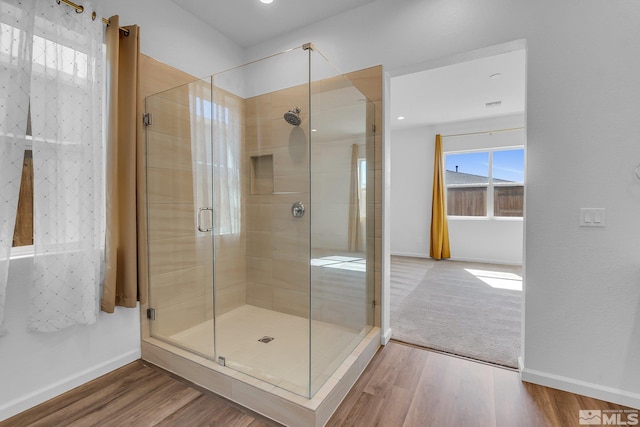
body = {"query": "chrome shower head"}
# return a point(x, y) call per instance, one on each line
point(293, 116)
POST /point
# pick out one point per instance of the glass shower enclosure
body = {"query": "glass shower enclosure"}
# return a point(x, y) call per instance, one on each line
point(260, 218)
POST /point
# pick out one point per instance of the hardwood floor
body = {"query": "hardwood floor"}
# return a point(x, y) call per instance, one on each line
point(139, 394)
point(403, 386)
point(410, 386)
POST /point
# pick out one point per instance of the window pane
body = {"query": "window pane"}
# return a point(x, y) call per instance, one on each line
point(467, 201)
point(467, 168)
point(508, 201)
point(467, 177)
point(508, 166)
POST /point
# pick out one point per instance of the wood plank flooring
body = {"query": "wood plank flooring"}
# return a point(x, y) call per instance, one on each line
point(138, 394)
point(409, 386)
point(403, 386)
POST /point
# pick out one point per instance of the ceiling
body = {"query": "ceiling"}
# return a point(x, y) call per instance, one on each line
point(453, 93)
point(460, 91)
point(250, 22)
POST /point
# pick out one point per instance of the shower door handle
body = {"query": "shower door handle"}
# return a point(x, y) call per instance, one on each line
point(199, 220)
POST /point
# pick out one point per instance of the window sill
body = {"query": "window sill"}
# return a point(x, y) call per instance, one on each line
point(22, 252)
point(485, 218)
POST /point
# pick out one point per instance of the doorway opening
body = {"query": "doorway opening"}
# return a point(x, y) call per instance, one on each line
point(471, 303)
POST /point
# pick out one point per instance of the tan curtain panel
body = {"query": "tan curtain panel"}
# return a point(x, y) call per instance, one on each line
point(354, 203)
point(439, 229)
point(121, 241)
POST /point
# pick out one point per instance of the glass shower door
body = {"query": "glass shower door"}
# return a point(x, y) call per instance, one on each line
point(261, 169)
point(179, 216)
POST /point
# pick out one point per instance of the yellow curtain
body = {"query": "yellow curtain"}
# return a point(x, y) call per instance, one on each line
point(439, 229)
point(121, 241)
point(354, 204)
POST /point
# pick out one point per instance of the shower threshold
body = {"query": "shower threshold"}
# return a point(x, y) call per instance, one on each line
point(256, 392)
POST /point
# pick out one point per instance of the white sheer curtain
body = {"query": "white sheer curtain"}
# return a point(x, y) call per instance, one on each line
point(66, 116)
point(16, 29)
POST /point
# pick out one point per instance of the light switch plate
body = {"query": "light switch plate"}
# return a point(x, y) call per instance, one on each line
point(592, 217)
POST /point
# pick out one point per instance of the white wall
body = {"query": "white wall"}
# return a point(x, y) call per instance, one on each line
point(38, 366)
point(34, 366)
point(171, 35)
point(582, 290)
point(494, 241)
point(411, 186)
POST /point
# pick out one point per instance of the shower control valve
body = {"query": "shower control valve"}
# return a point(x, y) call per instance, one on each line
point(297, 210)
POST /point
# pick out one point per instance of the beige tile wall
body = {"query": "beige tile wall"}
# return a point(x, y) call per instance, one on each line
point(277, 243)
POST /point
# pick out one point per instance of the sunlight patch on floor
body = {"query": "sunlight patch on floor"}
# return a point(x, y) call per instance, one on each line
point(498, 279)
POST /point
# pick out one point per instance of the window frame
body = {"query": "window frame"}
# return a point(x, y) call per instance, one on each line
point(490, 185)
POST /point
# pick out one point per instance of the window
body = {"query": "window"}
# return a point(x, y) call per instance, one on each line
point(487, 183)
point(75, 66)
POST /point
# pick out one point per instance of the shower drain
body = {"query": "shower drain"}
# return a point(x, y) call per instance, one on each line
point(266, 339)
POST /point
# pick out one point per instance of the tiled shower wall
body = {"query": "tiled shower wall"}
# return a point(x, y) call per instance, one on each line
point(278, 243)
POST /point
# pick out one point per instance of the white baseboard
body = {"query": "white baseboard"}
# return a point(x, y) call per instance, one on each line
point(385, 337)
point(409, 254)
point(486, 261)
point(597, 391)
point(50, 391)
point(478, 260)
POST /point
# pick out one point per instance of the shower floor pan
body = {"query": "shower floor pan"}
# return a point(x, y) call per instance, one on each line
point(269, 377)
point(282, 361)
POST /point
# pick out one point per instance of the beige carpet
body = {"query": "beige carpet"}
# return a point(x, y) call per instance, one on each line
point(468, 309)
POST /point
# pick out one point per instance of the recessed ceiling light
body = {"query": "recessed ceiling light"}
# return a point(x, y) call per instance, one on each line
point(314, 130)
point(400, 117)
point(266, 1)
point(495, 76)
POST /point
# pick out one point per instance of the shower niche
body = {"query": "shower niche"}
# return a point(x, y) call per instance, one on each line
point(261, 211)
point(262, 174)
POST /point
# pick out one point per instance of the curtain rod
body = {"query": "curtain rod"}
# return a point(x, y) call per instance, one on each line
point(482, 132)
point(80, 9)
